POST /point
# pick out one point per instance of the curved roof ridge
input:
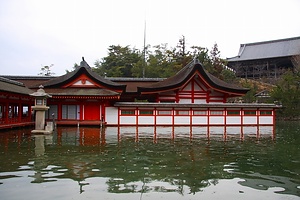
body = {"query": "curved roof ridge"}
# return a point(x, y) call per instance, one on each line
point(185, 73)
point(83, 68)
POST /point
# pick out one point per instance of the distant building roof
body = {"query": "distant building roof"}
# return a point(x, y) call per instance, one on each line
point(268, 49)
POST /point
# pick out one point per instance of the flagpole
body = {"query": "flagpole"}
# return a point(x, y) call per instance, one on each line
point(144, 52)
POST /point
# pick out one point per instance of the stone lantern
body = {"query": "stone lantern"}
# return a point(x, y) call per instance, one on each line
point(40, 107)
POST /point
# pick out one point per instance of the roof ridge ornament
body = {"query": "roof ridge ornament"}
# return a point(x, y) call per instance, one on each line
point(83, 63)
point(196, 60)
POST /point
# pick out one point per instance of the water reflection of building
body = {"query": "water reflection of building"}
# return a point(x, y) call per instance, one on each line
point(178, 165)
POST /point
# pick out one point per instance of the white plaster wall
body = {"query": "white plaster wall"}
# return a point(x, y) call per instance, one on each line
point(164, 120)
point(233, 120)
point(185, 101)
point(111, 115)
point(216, 120)
point(266, 120)
point(182, 120)
point(200, 101)
point(146, 120)
point(128, 120)
point(199, 120)
point(250, 120)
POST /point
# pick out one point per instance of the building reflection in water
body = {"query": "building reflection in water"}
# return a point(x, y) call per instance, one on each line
point(130, 160)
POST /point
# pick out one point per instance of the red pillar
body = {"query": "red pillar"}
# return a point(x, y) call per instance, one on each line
point(20, 112)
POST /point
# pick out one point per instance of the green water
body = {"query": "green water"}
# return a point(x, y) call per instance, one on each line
point(89, 163)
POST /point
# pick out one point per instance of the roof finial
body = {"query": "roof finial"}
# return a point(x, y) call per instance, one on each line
point(83, 58)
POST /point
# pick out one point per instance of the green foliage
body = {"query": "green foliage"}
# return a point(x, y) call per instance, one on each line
point(287, 93)
point(161, 61)
point(250, 95)
point(119, 62)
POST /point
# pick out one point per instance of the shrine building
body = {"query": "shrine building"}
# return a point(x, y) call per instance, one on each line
point(192, 98)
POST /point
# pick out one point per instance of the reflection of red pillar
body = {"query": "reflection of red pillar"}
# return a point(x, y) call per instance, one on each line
point(173, 132)
point(59, 135)
point(119, 134)
point(155, 135)
point(103, 136)
point(137, 133)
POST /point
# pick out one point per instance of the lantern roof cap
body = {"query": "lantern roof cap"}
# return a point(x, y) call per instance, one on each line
point(40, 93)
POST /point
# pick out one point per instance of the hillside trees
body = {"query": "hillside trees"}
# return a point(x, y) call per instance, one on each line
point(119, 62)
point(161, 61)
point(287, 92)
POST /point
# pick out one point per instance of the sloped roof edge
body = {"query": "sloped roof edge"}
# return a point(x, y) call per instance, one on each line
point(8, 85)
point(83, 69)
point(185, 73)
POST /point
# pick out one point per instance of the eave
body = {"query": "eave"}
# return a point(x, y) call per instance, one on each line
point(186, 74)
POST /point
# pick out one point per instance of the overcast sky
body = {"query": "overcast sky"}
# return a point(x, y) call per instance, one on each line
point(35, 33)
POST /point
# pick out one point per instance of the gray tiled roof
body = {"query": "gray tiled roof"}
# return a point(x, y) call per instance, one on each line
point(185, 73)
point(83, 68)
point(268, 49)
point(7, 85)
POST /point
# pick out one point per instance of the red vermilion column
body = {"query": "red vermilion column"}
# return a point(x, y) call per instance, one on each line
point(177, 96)
point(258, 115)
point(155, 114)
point(173, 116)
point(136, 116)
point(119, 116)
point(20, 112)
point(59, 111)
point(6, 112)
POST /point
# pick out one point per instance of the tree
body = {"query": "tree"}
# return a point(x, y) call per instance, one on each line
point(250, 95)
point(75, 66)
point(46, 70)
point(287, 93)
point(119, 62)
point(217, 64)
